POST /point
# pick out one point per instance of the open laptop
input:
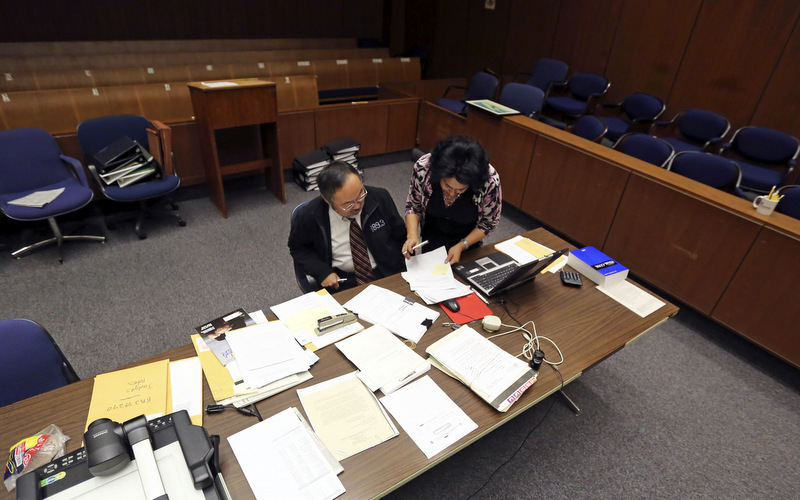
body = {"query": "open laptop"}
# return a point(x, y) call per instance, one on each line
point(497, 272)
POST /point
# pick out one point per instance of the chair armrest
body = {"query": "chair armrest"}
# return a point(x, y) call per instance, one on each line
point(77, 168)
point(96, 176)
point(554, 86)
point(159, 138)
point(451, 87)
point(710, 143)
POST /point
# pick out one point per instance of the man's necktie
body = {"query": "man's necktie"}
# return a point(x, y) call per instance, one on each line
point(358, 247)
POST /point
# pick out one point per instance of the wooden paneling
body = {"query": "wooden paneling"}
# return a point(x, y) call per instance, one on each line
point(402, 126)
point(437, 123)
point(510, 149)
point(648, 46)
point(585, 34)
point(765, 283)
point(663, 236)
point(295, 135)
point(778, 107)
point(573, 192)
point(366, 123)
point(731, 55)
point(531, 30)
point(483, 51)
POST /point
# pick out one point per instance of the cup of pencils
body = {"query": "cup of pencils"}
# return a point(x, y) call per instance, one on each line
point(765, 204)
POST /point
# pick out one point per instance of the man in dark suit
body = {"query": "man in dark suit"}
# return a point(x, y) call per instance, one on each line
point(349, 235)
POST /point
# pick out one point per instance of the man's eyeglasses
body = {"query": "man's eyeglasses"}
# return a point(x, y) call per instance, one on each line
point(360, 198)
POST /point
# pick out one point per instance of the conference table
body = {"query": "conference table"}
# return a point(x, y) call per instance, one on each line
point(587, 325)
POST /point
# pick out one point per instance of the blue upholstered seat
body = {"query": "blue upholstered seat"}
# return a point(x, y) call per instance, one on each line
point(546, 72)
point(525, 98)
point(790, 203)
point(30, 361)
point(692, 130)
point(96, 134)
point(646, 148)
point(482, 85)
point(766, 156)
point(635, 113)
point(589, 127)
point(581, 89)
point(710, 169)
point(31, 161)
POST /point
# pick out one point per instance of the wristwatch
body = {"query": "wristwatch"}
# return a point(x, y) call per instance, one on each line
point(466, 245)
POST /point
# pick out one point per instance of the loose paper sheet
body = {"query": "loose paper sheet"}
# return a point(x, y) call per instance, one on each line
point(346, 415)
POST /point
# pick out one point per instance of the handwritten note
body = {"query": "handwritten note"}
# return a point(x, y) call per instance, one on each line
point(124, 394)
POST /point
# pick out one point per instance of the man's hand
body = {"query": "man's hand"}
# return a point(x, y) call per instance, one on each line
point(331, 281)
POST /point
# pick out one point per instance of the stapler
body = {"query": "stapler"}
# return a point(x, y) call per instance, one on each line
point(331, 323)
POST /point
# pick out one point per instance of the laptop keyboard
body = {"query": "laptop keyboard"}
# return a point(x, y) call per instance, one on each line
point(490, 279)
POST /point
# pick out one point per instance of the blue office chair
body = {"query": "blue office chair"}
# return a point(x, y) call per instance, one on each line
point(790, 203)
point(589, 127)
point(710, 169)
point(582, 91)
point(96, 134)
point(526, 99)
point(635, 113)
point(31, 161)
point(30, 361)
point(546, 72)
point(304, 281)
point(692, 130)
point(482, 85)
point(767, 156)
point(646, 148)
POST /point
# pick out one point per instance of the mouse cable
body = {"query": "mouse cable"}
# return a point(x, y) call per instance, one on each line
point(527, 436)
point(532, 343)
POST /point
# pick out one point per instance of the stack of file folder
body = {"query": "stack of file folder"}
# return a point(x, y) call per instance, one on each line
point(125, 162)
point(307, 167)
point(344, 149)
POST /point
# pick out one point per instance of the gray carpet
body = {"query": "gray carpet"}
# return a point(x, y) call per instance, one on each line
point(688, 411)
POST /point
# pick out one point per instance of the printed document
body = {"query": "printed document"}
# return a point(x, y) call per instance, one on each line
point(432, 279)
point(632, 297)
point(302, 313)
point(398, 314)
point(428, 416)
point(524, 250)
point(282, 458)
point(38, 199)
point(346, 415)
point(266, 352)
point(384, 361)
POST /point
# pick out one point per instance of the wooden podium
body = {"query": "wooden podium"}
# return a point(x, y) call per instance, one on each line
point(237, 124)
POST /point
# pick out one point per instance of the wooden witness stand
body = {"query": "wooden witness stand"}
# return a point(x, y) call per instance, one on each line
point(248, 106)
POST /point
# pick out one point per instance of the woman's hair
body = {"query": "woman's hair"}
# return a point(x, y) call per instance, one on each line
point(333, 177)
point(460, 157)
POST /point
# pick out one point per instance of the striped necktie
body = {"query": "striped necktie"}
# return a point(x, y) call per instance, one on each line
point(358, 248)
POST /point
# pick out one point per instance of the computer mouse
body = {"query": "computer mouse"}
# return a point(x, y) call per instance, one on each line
point(451, 304)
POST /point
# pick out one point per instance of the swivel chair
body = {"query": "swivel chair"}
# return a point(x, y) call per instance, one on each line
point(304, 281)
point(31, 162)
point(790, 203)
point(692, 130)
point(31, 362)
point(546, 72)
point(482, 85)
point(646, 148)
point(582, 89)
point(767, 156)
point(524, 98)
point(97, 133)
point(635, 113)
point(710, 169)
point(589, 127)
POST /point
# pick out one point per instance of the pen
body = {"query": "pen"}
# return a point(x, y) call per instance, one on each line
point(417, 246)
point(341, 279)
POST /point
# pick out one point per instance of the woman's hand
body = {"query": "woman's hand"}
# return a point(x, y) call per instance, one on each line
point(408, 246)
point(454, 254)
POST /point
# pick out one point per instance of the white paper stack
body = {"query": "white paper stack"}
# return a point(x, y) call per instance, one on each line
point(432, 279)
point(400, 315)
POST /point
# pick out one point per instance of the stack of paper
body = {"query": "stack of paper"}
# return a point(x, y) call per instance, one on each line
point(281, 457)
point(400, 315)
point(37, 199)
point(384, 362)
point(302, 314)
point(493, 374)
point(432, 279)
point(524, 250)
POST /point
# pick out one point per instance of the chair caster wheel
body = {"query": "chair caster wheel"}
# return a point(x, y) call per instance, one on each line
point(142, 236)
point(181, 222)
point(174, 206)
point(111, 227)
